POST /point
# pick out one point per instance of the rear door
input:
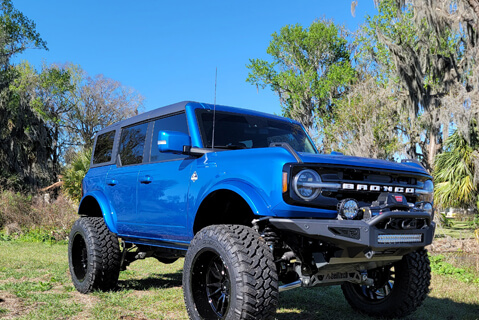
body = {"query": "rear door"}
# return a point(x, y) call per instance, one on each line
point(122, 179)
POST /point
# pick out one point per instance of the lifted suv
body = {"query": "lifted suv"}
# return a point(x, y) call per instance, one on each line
point(255, 210)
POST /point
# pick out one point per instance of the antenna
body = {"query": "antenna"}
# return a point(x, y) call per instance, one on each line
point(214, 113)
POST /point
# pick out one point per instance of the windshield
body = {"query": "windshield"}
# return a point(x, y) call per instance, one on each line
point(241, 131)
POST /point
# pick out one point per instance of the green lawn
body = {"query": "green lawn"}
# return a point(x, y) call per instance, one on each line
point(35, 284)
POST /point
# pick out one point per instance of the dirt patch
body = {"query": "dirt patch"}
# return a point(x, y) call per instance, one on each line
point(131, 318)
point(448, 244)
point(88, 302)
point(14, 305)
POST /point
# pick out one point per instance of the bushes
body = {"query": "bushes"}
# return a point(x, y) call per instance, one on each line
point(34, 218)
point(439, 265)
point(75, 173)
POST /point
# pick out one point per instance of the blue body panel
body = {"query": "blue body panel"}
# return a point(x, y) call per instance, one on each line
point(158, 202)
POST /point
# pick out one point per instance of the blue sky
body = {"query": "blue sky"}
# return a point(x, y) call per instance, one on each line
point(168, 50)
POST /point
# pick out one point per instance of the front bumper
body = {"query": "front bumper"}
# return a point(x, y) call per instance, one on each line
point(363, 234)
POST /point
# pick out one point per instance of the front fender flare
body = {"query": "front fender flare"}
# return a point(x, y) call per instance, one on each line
point(252, 197)
point(107, 212)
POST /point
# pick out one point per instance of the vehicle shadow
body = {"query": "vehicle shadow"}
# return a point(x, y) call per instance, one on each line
point(159, 280)
point(323, 302)
point(329, 303)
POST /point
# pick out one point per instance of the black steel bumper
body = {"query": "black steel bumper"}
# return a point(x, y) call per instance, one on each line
point(363, 233)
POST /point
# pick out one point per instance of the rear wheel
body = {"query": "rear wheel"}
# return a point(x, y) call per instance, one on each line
point(398, 289)
point(229, 273)
point(94, 255)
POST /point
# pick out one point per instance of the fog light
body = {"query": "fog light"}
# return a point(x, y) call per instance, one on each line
point(348, 208)
point(427, 207)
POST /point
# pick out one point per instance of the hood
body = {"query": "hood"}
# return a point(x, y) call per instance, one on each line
point(359, 162)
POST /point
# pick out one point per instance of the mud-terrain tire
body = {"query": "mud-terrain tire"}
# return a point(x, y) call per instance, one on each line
point(94, 255)
point(406, 288)
point(229, 273)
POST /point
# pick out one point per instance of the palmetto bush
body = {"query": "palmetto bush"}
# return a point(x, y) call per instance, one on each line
point(456, 172)
point(74, 174)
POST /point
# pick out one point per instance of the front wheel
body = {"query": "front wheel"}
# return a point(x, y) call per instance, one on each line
point(229, 273)
point(94, 255)
point(398, 289)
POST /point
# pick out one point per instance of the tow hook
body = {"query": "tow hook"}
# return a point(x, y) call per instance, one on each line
point(369, 254)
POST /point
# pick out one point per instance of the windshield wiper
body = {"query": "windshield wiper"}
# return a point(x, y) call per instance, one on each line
point(231, 146)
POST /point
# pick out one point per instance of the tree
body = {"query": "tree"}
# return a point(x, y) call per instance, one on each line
point(97, 102)
point(310, 71)
point(25, 145)
point(17, 33)
point(54, 85)
point(76, 106)
point(456, 171)
point(427, 52)
point(364, 123)
point(44, 114)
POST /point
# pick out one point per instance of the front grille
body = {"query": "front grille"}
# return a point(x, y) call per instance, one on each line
point(362, 184)
point(399, 238)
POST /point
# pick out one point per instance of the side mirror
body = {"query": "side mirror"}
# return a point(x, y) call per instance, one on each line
point(173, 141)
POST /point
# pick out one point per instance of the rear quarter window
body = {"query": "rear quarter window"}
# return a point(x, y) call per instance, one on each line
point(104, 147)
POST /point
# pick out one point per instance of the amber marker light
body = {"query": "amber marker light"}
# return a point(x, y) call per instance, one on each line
point(285, 182)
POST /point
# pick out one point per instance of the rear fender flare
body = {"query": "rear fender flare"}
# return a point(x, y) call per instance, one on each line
point(107, 212)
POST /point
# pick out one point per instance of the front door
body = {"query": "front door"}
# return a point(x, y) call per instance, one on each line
point(163, 187)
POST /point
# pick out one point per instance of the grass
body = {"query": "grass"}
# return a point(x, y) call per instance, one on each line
point(35, 284)
point(457, 230)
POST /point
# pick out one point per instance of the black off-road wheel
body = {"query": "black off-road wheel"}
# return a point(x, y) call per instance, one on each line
point(229, 273)
point(94, 255)
point(398, 290)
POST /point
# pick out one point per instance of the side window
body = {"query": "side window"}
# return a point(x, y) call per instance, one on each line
point(172, 123)
point(132, 143)
point(104, 147)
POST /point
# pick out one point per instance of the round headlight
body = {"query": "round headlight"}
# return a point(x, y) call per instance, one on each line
point(428, 186)
point(426, 193)
point(304, 184)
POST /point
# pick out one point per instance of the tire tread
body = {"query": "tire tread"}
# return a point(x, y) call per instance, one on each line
point(104, 258)
point(254, 262)
point(414, 272)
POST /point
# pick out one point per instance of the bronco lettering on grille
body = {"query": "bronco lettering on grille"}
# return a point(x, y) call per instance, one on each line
point(366, 187)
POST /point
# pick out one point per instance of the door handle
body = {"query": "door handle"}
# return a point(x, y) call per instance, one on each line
point(111, 182)
point(146, 180)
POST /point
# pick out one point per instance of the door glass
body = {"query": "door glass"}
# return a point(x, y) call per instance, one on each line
point(172, 123)
point(132, 143)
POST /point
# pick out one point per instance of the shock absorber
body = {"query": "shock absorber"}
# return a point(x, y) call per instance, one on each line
point(270, 236)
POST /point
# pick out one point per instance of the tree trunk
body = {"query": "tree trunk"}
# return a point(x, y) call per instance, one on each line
point(474, 5)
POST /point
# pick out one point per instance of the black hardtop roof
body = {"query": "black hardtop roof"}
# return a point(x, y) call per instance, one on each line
point(172, 108)
point(178, 107)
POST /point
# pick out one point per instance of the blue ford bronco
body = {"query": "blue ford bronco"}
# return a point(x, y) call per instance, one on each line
point(255, 210)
